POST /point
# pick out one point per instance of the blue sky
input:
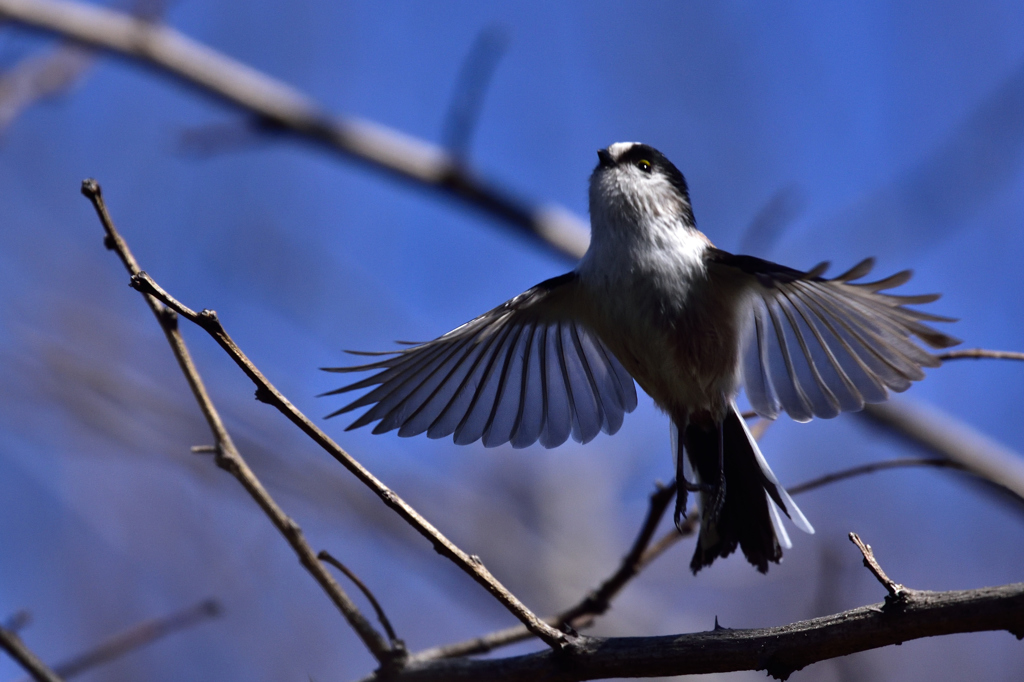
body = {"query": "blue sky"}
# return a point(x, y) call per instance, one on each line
point(897, 129)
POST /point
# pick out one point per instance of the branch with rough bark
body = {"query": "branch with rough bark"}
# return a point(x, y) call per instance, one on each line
point(779, 650)
point(167, 309)
point(279, 108)
point(230, 459)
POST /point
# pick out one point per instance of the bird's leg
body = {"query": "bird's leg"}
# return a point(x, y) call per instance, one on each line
point(717, 499)
point(683, 486)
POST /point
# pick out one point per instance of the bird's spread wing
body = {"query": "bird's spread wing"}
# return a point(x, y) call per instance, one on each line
point(526, 370)
point(816, 346)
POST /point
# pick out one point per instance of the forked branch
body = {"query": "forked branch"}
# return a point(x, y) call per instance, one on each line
point(230, 459)
point(166, 308)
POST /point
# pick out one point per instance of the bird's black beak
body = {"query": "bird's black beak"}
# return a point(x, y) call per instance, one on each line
point(604, 158)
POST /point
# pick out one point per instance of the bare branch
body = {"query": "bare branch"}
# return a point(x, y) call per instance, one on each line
point(266, 392)
point(12, 644)
point(137, 637)
point(980, 353)
point(896, 591)
point(283, 108)
point(324, 555)
point(900, 463)
point(779, 650)
point(227, 455)
point(48, 75)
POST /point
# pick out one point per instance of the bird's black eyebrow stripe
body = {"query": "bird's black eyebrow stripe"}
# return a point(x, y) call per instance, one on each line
point(659, 161)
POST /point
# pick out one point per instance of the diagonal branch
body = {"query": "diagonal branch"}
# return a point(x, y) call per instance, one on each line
point(326, 556)
point(594, 604)
point(895, 590)
point(266, 392)
point(16, 649)
point(228, 457)
point(135, 637)
point(282, 108)
point(950, 437)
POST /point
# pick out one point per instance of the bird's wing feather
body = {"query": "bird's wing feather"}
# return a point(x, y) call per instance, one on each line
point(527, 370)
point(815, 347)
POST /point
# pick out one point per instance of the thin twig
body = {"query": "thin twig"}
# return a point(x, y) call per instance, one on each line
point(227, 455)
point(896, 591)
point(12, 644)
point(266, 392)
point(882, 465)
point(280, 107)
point(980, 353)
point(137, 637)
point(324, 555)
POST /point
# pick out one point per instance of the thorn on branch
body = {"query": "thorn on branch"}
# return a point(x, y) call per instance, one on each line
point(897, 593)
point(204, 449)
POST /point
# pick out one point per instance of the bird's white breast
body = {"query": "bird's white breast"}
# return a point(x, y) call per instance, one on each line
point(655, 307)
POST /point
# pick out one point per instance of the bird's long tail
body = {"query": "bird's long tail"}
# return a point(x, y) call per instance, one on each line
point(749, 514)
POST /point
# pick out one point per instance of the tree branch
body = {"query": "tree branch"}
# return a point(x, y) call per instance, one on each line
point(779, 650)
point(980, 353)
point(266, 392)
point(12, 644)
point(895, 590)
point(948, 436)
point(227, 455)
point(287, 110)
point(326, 556)
point(135, 637)
point(871, 467)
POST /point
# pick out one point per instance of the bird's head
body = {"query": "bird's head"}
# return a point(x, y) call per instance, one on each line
point(635, 186)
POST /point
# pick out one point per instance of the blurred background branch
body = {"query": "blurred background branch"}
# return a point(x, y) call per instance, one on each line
point(283, 108)
point(136, 637)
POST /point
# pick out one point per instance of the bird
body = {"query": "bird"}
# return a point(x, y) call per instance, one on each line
point(655, 302)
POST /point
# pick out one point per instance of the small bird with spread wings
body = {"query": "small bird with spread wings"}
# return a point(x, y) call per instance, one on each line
point(653, 300)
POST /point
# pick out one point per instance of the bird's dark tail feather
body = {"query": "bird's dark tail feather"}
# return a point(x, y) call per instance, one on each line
point(749, 515)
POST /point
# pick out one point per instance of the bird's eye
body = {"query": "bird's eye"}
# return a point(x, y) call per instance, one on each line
point(644, 165)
